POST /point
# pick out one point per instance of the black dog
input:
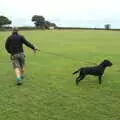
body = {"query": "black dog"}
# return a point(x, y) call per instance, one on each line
point(95, 70)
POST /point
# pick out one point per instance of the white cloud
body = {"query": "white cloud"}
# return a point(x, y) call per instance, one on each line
point(62, 10)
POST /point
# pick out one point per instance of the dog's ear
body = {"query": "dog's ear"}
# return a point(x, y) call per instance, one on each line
point(107, 63)
point(105, 60)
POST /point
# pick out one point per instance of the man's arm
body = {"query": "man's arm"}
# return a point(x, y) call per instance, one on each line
point(27, 43)
point(7, 45)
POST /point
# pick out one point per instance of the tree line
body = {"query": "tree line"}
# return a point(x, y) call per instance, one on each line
point(39, 22)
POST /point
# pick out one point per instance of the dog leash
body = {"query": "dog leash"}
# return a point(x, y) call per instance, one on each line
point(63, 56)
point(67, 57)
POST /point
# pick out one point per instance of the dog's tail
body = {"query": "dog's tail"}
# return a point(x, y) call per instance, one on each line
point(76, 71)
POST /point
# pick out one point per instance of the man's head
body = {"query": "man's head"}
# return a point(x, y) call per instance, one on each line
point(14, 30)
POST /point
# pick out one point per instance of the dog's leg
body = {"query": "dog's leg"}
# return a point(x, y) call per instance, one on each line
point(100, 79)
point(79, 78)
point(82, 77)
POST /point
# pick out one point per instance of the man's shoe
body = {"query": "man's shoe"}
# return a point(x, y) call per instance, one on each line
point(18, 81)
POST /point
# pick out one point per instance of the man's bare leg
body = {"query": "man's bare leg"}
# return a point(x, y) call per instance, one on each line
point(18, 75)
point(22, 72)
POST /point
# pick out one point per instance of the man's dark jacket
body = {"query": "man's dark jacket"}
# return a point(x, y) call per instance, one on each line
point(14, 44)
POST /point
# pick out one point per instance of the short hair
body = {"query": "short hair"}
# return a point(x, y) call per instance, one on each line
point(14, 30)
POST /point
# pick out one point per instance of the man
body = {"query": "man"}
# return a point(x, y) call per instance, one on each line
point(14, 46)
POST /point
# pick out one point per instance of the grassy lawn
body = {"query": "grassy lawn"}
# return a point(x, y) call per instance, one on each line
point(49, 91)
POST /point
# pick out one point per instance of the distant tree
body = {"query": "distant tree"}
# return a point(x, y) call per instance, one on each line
point(53, 24)
point(4, 21)
point(49, 24)
point(39, 21)
point(107, 26)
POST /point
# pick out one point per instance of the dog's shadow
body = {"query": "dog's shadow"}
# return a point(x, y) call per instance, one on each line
point(90, 82)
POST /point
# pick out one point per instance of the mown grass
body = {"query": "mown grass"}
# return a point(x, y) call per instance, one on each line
point(49, 91)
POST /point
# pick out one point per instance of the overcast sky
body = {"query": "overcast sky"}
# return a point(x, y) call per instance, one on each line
point(81, 13)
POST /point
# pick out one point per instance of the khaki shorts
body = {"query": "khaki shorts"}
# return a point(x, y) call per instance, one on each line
point(18, 60)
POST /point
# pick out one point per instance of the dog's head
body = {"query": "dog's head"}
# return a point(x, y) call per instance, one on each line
point(106, 63)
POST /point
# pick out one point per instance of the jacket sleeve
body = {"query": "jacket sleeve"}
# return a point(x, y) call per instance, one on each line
point(27, 43)
point(7, 45)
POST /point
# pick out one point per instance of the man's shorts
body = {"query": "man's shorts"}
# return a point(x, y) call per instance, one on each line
point(18, 60)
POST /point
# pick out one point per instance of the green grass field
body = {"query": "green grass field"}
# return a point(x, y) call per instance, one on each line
point(49, 91)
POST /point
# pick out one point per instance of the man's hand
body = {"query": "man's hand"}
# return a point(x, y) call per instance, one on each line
point(36, 49)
